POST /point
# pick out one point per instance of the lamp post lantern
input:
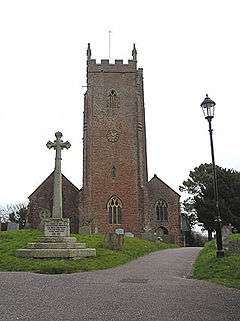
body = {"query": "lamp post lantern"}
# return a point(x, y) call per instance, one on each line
point(208, 107)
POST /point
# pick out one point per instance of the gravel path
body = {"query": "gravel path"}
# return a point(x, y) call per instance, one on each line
point(156, 287)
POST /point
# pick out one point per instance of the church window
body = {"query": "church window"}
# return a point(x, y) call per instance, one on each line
point(113, 99)
point(114, 172)
point(161, 211)
point(114, 207)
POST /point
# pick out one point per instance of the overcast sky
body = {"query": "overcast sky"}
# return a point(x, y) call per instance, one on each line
point(186, 48)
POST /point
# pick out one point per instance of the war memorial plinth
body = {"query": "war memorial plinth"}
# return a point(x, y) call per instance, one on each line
point(56, 227)
point(56, 242)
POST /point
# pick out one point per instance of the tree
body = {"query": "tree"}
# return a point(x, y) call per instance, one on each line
point(3, 214)
point(16, 213)
point(188, 211)
point(201, 203)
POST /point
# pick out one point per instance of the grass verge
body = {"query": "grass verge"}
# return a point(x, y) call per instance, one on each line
point(235, 236)
point(224, 271)
point(11, 241)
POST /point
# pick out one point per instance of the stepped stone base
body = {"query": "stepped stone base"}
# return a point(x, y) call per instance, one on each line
point(56, 243)
point(57, 239)
point(56, 253)
point(67, 245)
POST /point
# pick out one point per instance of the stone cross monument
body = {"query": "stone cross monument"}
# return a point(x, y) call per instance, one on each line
point(57, 225)
point(58, 145)
point(57, 242)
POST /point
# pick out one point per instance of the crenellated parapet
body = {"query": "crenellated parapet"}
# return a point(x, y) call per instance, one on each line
point(106, 66)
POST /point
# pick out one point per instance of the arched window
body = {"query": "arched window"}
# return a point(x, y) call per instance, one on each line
point(114, 208)
point(161, 211)
point(114, 172)
point(113, 99)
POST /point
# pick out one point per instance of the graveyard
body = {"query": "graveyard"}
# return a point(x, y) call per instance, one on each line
point(224, 271)
point(206, 267)
point(11, 241)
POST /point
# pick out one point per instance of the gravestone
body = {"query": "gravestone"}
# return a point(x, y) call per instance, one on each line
point(56, 242)
point(129, 234)
point(119, 231)
point(27, 226)
point(226, 231)
point(11, 226)
point(113, 241)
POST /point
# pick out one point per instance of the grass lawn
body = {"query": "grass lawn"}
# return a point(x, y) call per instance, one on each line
point(10, 241)
point(224, 271)
point(235, 236)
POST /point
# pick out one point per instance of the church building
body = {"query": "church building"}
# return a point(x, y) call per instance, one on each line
point(116, 192)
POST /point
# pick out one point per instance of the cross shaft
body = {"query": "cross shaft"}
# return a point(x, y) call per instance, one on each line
point(58, 145)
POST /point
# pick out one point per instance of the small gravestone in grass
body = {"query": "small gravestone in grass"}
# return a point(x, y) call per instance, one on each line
point(228, 244)
point(226, 232)
point(56, 242)
point(129, 234)
point(12, 226)
point(114, 241)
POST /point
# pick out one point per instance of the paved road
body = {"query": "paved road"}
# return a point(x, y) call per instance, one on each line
point(156, 287)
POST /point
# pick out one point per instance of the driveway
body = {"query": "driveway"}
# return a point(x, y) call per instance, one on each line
point(156, 287)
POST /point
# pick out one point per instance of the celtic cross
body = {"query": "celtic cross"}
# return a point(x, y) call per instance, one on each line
point(58, 145)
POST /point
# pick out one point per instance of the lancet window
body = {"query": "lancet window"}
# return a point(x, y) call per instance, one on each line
point(113, 99)
point(114, 172)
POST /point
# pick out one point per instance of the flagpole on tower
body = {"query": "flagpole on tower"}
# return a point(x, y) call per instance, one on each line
point(109, 44)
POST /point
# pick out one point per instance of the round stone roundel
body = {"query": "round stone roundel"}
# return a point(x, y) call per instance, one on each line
point(112, 135)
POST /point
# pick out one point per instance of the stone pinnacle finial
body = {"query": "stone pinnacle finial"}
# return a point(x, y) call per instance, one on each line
point(134, 53)
point(89, 52)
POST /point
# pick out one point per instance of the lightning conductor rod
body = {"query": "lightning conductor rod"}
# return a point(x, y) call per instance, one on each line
point(109, 44)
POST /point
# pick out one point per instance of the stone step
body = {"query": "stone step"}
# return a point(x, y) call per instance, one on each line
point(57, 239)
point(56, 253)
point(51, 245)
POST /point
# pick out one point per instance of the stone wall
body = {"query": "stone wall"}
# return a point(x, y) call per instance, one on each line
point(114, 136)
point(114, 158)
point(158, 190)
point(42, 198)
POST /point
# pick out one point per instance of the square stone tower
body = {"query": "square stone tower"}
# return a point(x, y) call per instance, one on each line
point(114, 146)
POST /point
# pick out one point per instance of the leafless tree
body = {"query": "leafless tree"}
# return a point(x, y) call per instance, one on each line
point(14, 212)
point(3, 214)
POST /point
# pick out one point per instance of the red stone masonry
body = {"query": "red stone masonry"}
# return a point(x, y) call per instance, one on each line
point(42, 197)
point(114, 158)
point(127, 153)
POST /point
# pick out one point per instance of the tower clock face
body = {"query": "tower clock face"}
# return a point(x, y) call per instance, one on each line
point(112, 135)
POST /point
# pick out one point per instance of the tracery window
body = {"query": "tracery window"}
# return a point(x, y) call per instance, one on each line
point(113, 99)
point(161, 211)
point(114, 208)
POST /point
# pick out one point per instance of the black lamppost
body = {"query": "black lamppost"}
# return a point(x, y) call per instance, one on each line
point(208, 107)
